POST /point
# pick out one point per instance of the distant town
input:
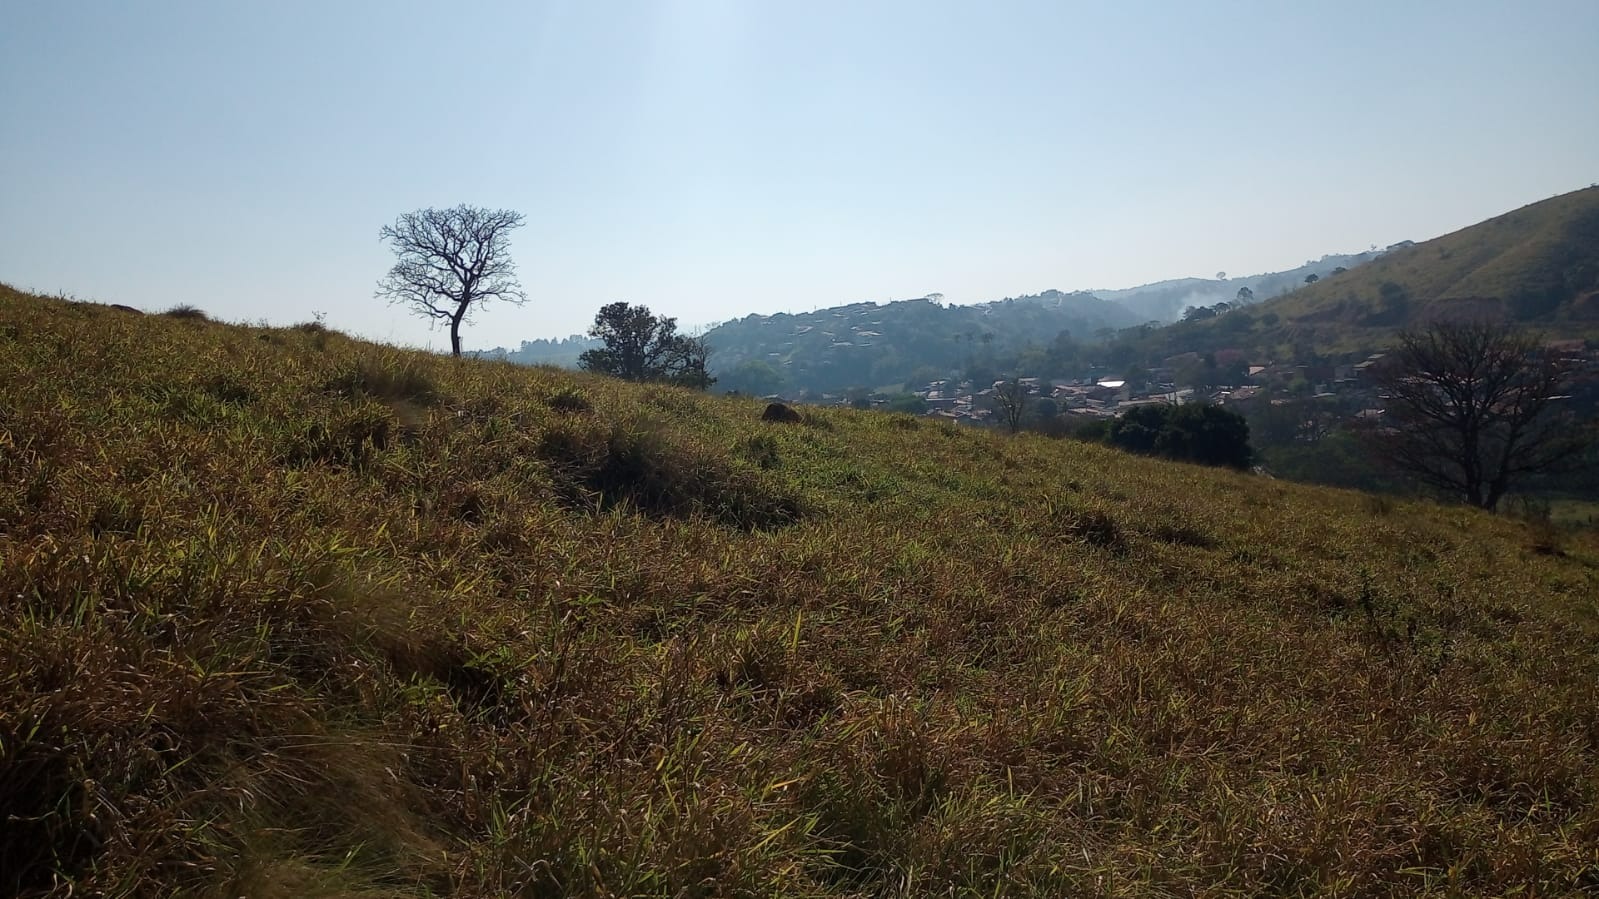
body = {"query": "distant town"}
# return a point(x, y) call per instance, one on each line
point(1343, 388)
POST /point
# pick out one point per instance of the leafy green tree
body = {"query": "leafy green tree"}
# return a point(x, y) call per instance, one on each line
point(640, 346)
point(1209, 435)
point(1138, 428)
point(1195, 432)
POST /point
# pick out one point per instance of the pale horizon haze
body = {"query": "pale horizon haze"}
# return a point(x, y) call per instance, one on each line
point(712, 159)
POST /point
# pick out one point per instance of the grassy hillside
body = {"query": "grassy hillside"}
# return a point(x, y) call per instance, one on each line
point(1537, 266)
point(286, 614)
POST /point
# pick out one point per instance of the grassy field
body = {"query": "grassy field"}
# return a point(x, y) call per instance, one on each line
point(287, 614)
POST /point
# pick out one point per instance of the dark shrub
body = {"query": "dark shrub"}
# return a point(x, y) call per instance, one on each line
point(780, 413)
point(635, 464)
point(187, 313)
point(1199, 432)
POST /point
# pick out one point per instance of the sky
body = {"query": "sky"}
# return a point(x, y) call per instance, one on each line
point(716, 158)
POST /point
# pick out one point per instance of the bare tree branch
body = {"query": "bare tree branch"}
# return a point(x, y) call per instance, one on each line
point(448, 262)
point(1010, 401)
point(1471, 407)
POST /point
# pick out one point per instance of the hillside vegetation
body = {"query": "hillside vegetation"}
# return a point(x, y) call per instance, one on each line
point(1537, 266)
point(287, 614)
point(871, 345)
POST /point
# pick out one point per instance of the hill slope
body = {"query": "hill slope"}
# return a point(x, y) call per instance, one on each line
point(286, 614)
point(1165, 300)
point(1539, 263)
point(1537, 266)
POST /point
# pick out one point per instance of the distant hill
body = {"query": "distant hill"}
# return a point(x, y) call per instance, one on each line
point(867, 344)
point(1164, 301)
point(1537, 266)
point(562, 352)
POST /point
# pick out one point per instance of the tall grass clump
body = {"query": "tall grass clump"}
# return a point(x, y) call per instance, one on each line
point(391, 377)
point(636, 463)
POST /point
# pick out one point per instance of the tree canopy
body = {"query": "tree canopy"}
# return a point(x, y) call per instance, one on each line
point(641, 346)
point(1193, 432)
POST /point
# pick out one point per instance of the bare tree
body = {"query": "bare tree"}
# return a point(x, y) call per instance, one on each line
point(451, 261)
point(1010, 401)
point(1470, 408)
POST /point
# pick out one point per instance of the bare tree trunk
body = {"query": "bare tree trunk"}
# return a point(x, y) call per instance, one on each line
point(449, 260)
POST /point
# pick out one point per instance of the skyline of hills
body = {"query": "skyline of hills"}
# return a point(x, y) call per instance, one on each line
point(1088, 310)
point(1536, 266)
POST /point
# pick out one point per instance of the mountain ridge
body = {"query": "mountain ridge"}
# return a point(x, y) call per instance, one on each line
point(1536, 266)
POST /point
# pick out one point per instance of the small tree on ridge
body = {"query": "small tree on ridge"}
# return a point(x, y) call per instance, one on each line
point(451, 261)
point(641, 346)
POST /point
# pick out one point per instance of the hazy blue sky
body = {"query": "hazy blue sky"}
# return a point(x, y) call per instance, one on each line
point(716, 158)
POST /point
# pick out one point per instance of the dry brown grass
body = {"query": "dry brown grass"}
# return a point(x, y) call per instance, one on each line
point(283, 613)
